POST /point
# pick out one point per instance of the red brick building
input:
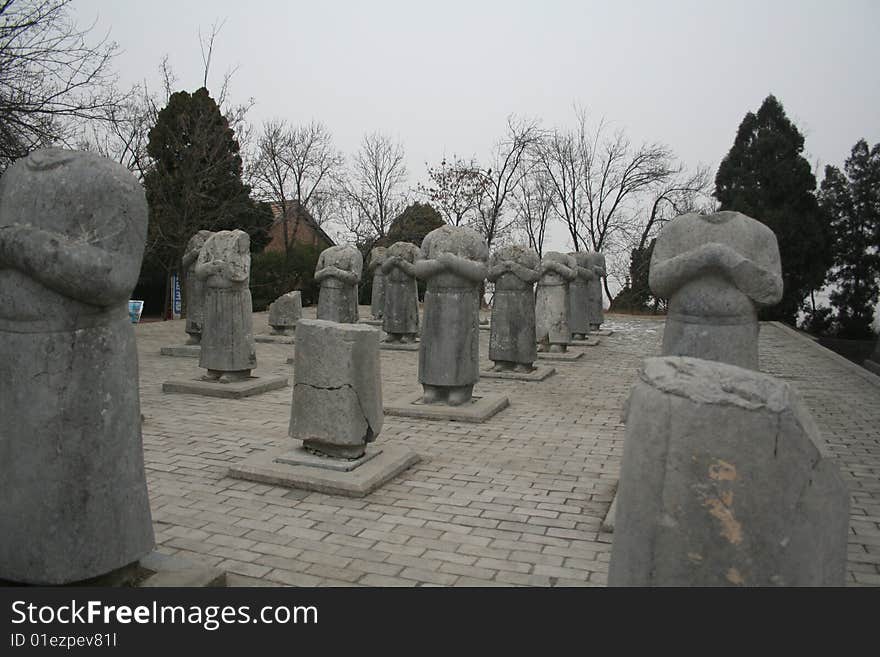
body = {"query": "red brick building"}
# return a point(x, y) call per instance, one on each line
point(301, 227)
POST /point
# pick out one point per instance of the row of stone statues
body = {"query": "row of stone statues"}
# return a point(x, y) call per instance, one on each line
point(454, 262)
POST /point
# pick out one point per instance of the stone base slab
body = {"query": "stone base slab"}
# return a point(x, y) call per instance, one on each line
point(485, 327)
point(480, 409)
point(603, 332)
point(589, 342)
point(301, 456)
point(563, 356)
point(608, 520)
point(399, 346)
point(167, 571)
point(182, 350)
point(540, 373)
point(254, 385)
point(359, 482)
point(371, 322)
point(274, 339)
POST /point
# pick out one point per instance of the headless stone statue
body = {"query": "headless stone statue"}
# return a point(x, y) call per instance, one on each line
point(74, 496)
point(377, 299)
point(725, 481)
point(551, 304)
point(454, 266)
point(594, 290)
point(338, 273)
point(228, 350)
point(715, 270)
point(401, 320)
point(285, 312)
point(512, 342)
point(195, 287)
point(579, 295)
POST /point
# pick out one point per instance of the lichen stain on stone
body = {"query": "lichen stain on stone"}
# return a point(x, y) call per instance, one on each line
point(730, 526)
point(734, 577)
point(722, 471)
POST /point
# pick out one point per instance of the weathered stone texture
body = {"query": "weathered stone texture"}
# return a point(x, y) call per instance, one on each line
point(552, 305)
point(512, 341)
point(338, 273)
point(377, 298)
point(725, 481)
point(401, 305)
point(716, 270)
point(194, 286)
point(227, 335)
point(72, 233)
point(337, 390)
point(285, 312)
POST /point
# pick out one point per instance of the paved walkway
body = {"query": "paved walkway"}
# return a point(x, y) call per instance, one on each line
point(516, 501)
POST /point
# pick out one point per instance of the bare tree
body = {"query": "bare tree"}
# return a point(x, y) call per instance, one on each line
point(681, 193)
point(455, 189)
point(51, 74)
point(374, 189)
point(509, 164)
point(295, 167)
point(534, 201)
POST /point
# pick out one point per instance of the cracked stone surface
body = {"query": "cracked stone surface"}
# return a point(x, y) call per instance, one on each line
point(337, 389)
point(725, 481)
point(285, 312)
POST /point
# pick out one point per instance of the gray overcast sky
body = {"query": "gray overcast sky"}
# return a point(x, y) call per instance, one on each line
point(443, 76)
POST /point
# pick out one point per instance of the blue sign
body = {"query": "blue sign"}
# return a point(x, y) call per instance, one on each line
point(176, 304)
point(135, 308)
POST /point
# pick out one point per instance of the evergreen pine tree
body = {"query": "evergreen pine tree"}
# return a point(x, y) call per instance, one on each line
point(852, 201)
point(195, 181)
point(765, 177)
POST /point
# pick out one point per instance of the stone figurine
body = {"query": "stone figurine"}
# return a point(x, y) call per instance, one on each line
point(195, 287)
point(553, 332)
point(228, 349)
point(512, 339)
point(401, 320)
point(579, 295)
point(377, 299)
point(454, 266)
point(338, 273)
point(72, 232)
point(716, 271)
point(594, 290)
point(285, 312)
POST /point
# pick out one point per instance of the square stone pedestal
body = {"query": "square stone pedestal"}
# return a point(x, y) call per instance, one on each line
point(297, 468)
point(182, 350)
point(540, 373)
point(602, 332)
point(485, 327)
point(399, 346)
point(164, 570)
point(274, 339)
point(371, 322)
point(254, 385)
point(480, 408)
point(591, 341)
point(563, 356)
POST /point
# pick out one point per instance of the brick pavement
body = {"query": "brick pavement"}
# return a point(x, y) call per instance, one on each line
point(516, 501)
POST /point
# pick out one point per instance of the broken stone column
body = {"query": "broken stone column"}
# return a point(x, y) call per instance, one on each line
point(595, 311)
point(228, 349)
point(716, 271)
point(512, 343)
point(338, 273)
point(725, 481)
point(454, 265)
point(401, 320)
point(74, 495)
point(552, 307)
point(195, 287)
point(337, 389)
point(285, 312)
point(579, 295)
point(377, 298)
